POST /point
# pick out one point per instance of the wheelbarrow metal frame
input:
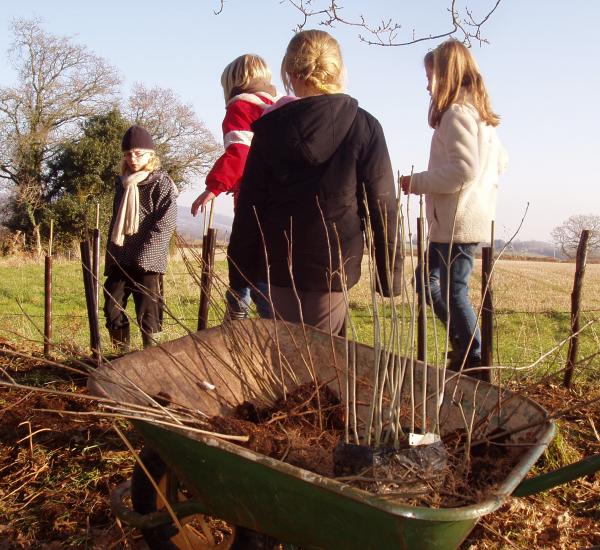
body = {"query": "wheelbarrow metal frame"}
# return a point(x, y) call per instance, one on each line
point(299, 507)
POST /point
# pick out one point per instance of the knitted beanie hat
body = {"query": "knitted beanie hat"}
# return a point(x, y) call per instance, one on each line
point(137, 137)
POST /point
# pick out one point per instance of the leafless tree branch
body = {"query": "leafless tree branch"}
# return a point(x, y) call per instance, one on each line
point(188, 149)
point(567, 235)
point(58, 84)
point(462, 23)
point(222, 5)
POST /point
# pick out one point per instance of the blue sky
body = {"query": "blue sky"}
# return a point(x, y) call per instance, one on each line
point(541, 68)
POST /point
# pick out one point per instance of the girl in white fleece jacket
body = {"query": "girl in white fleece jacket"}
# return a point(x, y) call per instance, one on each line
point(460, 188)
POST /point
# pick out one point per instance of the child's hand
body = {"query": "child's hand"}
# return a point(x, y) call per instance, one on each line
point(201, 202)
point(405, 184)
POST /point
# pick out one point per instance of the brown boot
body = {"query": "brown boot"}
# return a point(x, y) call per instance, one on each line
point(119, 338)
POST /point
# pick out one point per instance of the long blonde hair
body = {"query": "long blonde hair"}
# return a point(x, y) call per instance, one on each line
point(455, 71)
point(152, 164)
point(314, 58)
point(241, 72)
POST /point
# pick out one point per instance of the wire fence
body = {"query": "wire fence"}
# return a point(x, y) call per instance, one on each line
point(182, 287)
point(183, 296)
point(542, 313)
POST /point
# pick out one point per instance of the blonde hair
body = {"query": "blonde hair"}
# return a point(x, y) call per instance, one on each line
point(314, 58)
point(455, 70)
point(152, 164)
point(241, 72)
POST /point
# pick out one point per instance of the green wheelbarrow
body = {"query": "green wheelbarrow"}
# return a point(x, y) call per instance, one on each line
point(209, 372)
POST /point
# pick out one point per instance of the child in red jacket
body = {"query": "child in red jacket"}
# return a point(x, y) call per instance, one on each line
point(248, 92)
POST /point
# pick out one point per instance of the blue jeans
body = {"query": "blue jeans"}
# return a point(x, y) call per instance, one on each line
point(238, 302)
point(463, 321)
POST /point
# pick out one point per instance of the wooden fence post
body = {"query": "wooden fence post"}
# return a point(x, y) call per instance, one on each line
point(90, 300)
point(487, 312)
point(208, 260)
point(48, 295)
point(580, 262)
point(96, 257)
point(422, 302)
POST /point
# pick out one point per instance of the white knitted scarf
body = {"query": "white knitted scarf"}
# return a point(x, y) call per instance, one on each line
point(127, 221)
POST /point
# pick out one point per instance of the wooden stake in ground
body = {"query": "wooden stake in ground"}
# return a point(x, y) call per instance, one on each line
point(92, 310)
point(208, 259)
point(580, 263)
point(96, 257)
point(487, 312)
point(48, 294)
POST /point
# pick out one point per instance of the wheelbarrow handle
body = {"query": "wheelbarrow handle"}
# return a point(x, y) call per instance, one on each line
point(543, 482)
point(147, 521)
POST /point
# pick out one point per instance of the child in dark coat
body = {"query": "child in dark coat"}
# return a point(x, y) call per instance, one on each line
point(143, 221)
point(314, 164)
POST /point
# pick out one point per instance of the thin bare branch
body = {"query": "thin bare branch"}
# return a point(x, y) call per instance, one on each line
point(389, 31)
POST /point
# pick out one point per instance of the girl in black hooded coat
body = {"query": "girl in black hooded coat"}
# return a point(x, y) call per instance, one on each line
point(316, 164)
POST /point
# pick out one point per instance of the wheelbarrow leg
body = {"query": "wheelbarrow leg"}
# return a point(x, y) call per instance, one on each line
point(196, 533)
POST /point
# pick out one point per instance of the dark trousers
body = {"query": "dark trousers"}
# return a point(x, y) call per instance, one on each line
point(146, 287)
point(322, 310)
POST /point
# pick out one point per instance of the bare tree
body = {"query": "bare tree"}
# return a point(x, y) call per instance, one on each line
point(566, 235)
point(462, 22)
point(26, 202)
point(58, 83)
point(187, 148)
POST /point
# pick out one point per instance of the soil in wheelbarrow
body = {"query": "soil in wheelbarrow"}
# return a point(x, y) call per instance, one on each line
point(294, 432)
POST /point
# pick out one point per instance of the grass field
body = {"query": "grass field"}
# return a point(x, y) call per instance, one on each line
point(532, 301)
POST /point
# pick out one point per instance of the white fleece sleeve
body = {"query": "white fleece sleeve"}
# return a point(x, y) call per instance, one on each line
point(459, 166)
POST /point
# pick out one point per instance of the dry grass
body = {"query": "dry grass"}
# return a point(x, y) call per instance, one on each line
point(519, 285)
point(538, 286)
point(55, 483)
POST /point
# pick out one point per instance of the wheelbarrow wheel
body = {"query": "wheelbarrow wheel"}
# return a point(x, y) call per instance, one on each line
point(201, 532)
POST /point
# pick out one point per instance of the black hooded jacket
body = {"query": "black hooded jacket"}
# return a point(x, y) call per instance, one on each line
point(312, 164)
